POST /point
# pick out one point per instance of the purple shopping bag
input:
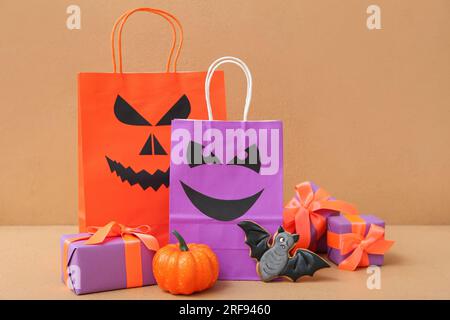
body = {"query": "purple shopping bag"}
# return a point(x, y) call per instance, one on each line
point(223, 172)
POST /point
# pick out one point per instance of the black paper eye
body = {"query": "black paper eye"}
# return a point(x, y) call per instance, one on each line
point(180, 110)
point(127, 114)
point(195, 155)
point(252, 160)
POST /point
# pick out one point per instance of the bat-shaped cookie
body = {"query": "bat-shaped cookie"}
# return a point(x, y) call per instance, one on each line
point(273, 257)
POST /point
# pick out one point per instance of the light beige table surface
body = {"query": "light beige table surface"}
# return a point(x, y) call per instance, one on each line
point(418, 266)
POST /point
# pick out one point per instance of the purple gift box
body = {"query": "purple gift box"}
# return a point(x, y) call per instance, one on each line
point(103, 267)
point(317, 243)
point(346, 224)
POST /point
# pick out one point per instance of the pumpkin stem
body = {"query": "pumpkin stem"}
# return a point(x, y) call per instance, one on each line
point(183, 245)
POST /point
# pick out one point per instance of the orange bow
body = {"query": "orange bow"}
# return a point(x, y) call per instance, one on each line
point(359, 246)
point(114, 229)
point(301, 212)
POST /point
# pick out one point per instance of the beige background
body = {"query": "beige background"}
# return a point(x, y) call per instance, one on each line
point(366, 113)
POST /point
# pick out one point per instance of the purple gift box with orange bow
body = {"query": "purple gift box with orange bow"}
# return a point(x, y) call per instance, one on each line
point(307, 212)
point(356, 241)
point(108, 258)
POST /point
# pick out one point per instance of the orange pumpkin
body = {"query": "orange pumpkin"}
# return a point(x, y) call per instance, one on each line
point(185, 268)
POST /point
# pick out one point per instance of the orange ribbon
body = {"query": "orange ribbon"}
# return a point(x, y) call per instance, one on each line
point(302, 211)
point(114, 229)
point(359, 246)
point(132, 238)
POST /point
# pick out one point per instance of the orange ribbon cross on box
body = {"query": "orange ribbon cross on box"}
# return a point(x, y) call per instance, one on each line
point(360, 247)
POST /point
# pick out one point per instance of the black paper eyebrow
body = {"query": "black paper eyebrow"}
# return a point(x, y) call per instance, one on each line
point(195, 147)
point(180, 110)
point(246, 161)
point(127, 114)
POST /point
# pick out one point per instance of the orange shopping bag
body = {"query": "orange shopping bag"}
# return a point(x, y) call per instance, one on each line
point(124, 135)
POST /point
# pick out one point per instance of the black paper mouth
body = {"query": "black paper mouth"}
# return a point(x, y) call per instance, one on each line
point(143, 178)
point(219, 209)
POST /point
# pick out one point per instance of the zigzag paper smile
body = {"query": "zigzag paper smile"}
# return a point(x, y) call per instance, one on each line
point(143, 178)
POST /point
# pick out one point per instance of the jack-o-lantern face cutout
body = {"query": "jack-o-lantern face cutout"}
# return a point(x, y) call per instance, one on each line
point(128, 115)
point(216, 208)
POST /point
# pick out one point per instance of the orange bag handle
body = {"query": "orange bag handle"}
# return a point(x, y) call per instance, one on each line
point(124, 17)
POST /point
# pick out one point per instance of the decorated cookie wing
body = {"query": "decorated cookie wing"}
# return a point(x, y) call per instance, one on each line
point(303, 263)
point(256, 237)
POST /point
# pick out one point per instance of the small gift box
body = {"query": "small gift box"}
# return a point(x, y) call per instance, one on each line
point(108, 258)
point(307, 213)
point(356, 241)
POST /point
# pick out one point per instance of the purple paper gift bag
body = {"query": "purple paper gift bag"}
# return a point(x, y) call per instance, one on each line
point(223, 172)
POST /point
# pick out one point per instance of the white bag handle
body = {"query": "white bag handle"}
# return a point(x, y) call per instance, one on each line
point(210, 73)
